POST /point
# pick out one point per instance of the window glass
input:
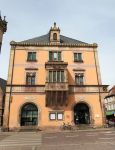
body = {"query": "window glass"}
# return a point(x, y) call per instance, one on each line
point(33, 80)
point(79, 79)
point(50, 56)
point(114, 106)
point(30, 78)
point(59, 55)
point(54, 56)
point(27, 115)
point(58, 76)
point(54, 76)
point(34, 56)
point(50, 76)
point(31, 56)
point(62, 76)
point(78, 57)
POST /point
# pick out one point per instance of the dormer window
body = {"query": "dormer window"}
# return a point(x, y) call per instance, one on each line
point(54, 36)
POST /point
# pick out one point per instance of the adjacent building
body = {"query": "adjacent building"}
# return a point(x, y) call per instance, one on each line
point(110, 103)
point(53, 79)
point(2, 98)
point(3, 28)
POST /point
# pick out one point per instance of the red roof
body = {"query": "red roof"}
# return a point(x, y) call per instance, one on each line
point(112, 90)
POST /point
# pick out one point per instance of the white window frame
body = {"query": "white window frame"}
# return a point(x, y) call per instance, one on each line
point(56, 116)
point(52, 114)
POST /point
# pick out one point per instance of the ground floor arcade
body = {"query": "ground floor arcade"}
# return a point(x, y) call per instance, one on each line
point(30, 110)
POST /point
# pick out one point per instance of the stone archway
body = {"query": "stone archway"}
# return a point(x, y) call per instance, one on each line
point(29, 115)
point(81, 114)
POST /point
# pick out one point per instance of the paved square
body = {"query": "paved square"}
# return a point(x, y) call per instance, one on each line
point(81, 140)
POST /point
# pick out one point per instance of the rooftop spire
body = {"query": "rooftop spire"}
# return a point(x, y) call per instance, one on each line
point(54, 24)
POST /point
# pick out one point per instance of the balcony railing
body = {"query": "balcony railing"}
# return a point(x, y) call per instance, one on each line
point(87, 89)
point(26, 89)
point(57, 87)
point(51, 86)
point(56, 65)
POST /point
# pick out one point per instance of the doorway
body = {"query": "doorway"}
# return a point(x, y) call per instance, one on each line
point(81, 114)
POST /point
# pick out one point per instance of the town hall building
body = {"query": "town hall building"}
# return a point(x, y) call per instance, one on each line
point(53, 79)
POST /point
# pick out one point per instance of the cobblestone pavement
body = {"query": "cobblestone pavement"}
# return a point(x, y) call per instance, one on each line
point(78, 140)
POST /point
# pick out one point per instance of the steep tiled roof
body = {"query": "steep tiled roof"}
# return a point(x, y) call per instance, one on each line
point(112, 90)
point(45, 39)
point(3, 85)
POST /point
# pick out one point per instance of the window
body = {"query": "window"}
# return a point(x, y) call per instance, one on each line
point(56, 115)
point(31, 56)
point(78, 57)
point(112, 107)
point(29, 115)
point(54, 56)
point(56, 76)
point(30, 78)
point(79, 78)
point(54, 36)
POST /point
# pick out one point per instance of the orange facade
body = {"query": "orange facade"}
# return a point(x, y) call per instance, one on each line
point(53, 79)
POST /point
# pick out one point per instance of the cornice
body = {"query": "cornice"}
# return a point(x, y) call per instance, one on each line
point(13, 43)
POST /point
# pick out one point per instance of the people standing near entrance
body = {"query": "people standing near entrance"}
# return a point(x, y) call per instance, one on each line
point(77, 120)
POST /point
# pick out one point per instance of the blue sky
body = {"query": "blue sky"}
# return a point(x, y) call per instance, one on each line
point(91, 21)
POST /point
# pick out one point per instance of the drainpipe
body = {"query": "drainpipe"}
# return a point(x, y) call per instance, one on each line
point(12, 74)
point(98, 85)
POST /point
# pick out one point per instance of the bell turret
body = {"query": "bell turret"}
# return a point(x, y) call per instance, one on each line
point(54, 34)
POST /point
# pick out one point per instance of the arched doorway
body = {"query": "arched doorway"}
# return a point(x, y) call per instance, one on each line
point(29, 115)
point(81, 114)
